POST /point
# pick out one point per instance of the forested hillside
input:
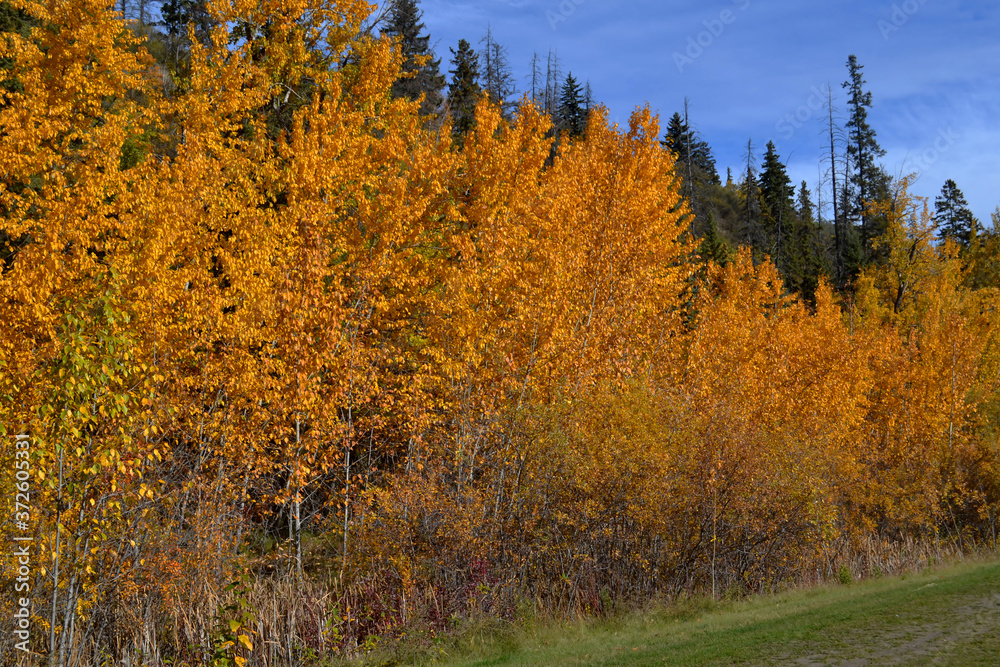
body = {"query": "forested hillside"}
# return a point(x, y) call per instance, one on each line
point(274, 315)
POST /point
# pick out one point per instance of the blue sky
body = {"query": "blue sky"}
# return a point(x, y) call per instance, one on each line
point(755, 69)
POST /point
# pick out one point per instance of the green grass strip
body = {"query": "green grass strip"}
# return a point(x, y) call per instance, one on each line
point(946, 616)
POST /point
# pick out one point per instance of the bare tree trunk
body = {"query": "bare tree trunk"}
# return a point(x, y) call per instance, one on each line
point(690, 175)
point(55, 567)
point(838, 240)
point(347, 497)
point(297, 502)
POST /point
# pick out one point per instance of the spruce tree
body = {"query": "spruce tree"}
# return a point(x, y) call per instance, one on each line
point(808, 251)
point(570, 115)
point(713, 248)
point(690, 147)
point(678, 140)
point(675, 137)
point(803, 204)
point(16, 21)
point(175, 16)
point(777, 207)
point(464, 91)
point(867, 179)
point(952, 216)
point(852, 253)
point(695, 167)
point(420, 72)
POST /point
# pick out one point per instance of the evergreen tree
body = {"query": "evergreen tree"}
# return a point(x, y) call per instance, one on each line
point(807, 258)
point(691, 148)
point(804, 204)
point(952, 216)
point(15, 21)
point(420, 75)
point(571, 118)
point(677, 140)
point(695, 167)
point(777, 207)
point(464, 91)
point(713, 247)
point(852, 257)
point(867, 179)
point(175, 16)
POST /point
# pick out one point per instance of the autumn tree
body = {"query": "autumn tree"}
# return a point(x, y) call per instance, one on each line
point(927, 371)
point(895, 288)
point(73, 86)
point(984, 256)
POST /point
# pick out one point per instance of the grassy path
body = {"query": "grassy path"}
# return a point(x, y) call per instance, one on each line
point(948, 616)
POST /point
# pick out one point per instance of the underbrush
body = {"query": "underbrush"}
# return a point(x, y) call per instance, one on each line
point(665, 618)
